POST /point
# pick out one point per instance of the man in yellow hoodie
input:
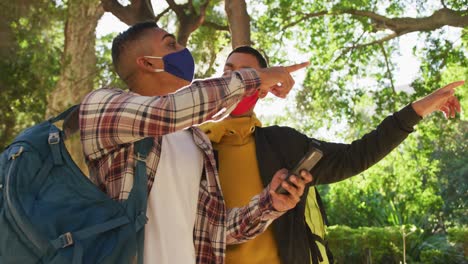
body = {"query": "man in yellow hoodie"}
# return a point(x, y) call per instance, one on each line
point(247, 154)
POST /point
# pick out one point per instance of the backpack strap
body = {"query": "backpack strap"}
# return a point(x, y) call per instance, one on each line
point(71, 123)
point(54, 140)
point(64, 114)
point(315, 254)
point(74, 238)
point(138, 198)
point(55, 134)
point(321, 206)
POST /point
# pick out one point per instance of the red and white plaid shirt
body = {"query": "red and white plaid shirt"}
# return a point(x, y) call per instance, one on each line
point(111, 120)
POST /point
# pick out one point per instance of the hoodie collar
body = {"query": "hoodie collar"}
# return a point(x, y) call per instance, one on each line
point(234, 130)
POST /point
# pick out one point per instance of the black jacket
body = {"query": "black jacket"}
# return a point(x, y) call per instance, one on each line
point(282, 147)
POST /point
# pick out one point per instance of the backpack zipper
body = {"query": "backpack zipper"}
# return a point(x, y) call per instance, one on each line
point(26, 230)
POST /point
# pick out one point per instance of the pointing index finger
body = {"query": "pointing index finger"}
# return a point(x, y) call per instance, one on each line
point(453, 85)
point(295, 67)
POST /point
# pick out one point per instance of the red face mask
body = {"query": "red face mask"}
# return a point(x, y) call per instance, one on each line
point(246, 104)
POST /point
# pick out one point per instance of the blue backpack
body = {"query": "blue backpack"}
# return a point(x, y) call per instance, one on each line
point(50, 212)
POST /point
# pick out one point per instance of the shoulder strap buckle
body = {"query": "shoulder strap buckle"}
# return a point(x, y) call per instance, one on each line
point(66, 239)
point(54, 138)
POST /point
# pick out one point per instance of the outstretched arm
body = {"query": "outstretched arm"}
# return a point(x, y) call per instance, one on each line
point(111, 117)
point(345, 160)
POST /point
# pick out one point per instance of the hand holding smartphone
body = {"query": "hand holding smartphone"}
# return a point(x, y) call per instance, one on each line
point(306, 163)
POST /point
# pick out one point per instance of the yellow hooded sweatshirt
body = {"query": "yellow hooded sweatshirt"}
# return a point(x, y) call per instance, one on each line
point(240, 181)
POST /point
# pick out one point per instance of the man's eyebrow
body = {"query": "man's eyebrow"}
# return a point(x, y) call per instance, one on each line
point(168, 36)
point(228, 64)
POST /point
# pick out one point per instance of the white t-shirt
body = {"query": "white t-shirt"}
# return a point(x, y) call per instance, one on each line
point(172, 202)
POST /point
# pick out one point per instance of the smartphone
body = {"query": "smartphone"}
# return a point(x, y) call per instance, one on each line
point(306, 163)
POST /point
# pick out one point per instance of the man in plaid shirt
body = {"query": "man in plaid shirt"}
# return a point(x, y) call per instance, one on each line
point(188, 221)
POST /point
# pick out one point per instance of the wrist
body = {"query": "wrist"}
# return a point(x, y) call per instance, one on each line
point(418, 109)
point(267, 206)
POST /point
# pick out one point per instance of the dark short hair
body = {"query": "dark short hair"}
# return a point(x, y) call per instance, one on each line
point(122, 40)
point(249, 50)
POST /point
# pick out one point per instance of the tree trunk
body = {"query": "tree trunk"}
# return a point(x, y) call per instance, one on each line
point(239, 22)
point(79, 58)
point(78, 63)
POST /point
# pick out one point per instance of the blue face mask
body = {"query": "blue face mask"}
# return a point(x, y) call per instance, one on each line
point(179, 64)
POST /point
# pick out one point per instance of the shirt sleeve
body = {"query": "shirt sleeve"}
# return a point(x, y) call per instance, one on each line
point(341, 161)
point(112, 117)
point(245, 223)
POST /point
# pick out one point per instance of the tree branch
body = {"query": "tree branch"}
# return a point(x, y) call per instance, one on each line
point(305, 17)
point(191, 7)
point(215, 26)
point(350, 48)
point(203, 8)
point(369, 14)
point(114, 7)
point(137, 11)
point(400, 26)
point(379, 41)
point(175, 7)
point(162, 14)
point(189, 19)
point(443, 3)
point(389, 72)
point(404, 25)
point(148, 7)
point(355, 46)
point(211, 62)
point(239, 22)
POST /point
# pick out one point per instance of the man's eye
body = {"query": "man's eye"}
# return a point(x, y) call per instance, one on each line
point(172, 44)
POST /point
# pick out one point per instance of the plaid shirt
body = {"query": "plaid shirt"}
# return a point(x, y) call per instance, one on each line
point(111, 120)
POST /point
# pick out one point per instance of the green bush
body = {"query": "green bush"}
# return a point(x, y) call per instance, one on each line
point(459, 237)
point(380, 245)
point(432, 256)
point(442, 256)
point(437, 249)
point(385, 245)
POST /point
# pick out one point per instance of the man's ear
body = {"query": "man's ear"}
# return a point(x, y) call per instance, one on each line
point(145, 65)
